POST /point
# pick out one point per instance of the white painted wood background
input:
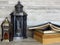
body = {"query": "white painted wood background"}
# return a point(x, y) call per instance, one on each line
point(39, 11)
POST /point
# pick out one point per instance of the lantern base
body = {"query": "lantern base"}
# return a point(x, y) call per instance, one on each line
point(5, 40)
point(18, 39)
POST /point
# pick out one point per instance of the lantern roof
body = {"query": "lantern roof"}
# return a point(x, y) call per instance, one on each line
point(18, 10)
point(18, 5)
point(5, 22)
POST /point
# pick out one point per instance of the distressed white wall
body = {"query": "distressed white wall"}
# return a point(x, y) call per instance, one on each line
point(39, 11)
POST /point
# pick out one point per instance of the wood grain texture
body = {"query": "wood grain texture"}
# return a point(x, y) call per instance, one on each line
point(47, 38)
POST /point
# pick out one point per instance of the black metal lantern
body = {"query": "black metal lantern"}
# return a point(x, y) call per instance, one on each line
point(6, 30)
point(19, 21)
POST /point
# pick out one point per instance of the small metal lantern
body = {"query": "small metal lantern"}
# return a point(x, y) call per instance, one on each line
point(6, 30)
